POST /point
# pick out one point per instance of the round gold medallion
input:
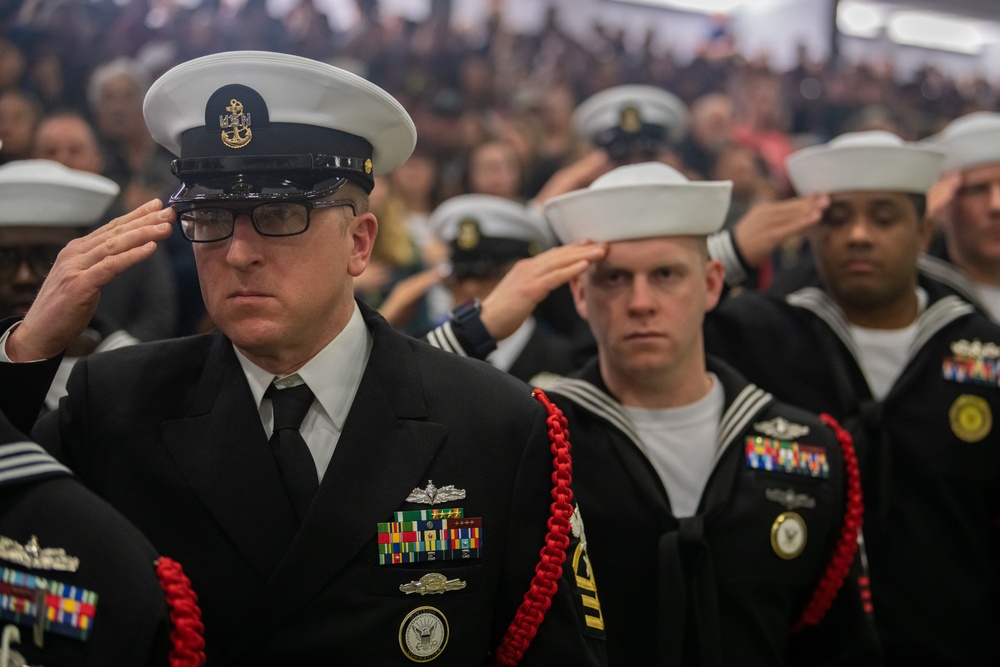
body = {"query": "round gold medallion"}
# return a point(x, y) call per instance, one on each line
point(970, 417)
point(788, 535)
point(423, 634)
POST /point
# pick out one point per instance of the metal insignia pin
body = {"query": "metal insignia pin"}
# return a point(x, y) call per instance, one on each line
point(975, 349)
point(790, 499)
point(788, 535)
point(236, 132)
point(32, 555)
point(782, 429)
point(431, 584)
point(432, 495)
point(423, 634)
point(970, 417)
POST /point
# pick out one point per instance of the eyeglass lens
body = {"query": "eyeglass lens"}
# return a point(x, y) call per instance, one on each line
point(273, 219)
point(39, 259)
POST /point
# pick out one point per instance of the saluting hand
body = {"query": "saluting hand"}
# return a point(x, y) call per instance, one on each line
point(68, 298)
point(766, 226)
point(530, 280)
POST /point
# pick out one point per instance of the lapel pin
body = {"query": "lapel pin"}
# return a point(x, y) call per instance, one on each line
point(790, 499)
point(782, 429)
point(33, 556)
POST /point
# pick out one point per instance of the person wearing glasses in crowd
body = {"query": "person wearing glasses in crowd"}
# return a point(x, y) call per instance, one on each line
point(31, 237)
point(318, 474)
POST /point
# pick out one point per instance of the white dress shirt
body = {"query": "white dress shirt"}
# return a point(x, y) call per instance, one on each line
point(333, 375)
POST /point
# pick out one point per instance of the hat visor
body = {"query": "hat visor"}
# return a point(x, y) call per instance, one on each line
point(292, 186)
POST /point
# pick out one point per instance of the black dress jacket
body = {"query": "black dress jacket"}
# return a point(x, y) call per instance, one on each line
point(82, 542)
point(168, 432)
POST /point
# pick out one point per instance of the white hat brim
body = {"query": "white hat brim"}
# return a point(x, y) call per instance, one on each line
point(498, 218)
point(864, 168)
point(43, 193)
point(627, 212)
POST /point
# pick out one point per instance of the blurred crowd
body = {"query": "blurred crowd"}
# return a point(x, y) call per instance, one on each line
point(493, 110)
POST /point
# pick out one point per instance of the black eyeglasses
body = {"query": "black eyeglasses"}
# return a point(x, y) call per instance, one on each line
point(204, 223)
point(39, 259)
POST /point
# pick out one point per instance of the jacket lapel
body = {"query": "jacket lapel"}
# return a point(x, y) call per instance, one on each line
point(221, 450)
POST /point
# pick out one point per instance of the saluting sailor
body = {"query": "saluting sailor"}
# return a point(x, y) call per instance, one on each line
point(911, 369)
point(274, 457)
point(485, 236)
point(721, 521)
point(31, 236)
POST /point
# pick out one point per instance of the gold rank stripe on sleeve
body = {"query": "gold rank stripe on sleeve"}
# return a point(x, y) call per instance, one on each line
point(421, 540)
point(786, 456)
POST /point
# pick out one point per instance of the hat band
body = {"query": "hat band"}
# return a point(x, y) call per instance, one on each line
point(647, 132)
point(490, 255)
point(256, 163)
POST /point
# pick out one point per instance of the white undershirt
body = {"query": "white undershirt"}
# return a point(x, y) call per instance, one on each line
point(680, 443)
point(334, 376)
point(884, 352)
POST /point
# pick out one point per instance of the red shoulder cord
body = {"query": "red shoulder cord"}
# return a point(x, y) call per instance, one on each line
point(548, 572)
point(188, 648)
point(840, 562)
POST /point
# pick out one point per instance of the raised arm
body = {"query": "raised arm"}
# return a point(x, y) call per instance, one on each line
point(68, 298)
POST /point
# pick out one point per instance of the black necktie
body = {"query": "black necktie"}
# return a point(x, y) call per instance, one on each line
point(289, 448)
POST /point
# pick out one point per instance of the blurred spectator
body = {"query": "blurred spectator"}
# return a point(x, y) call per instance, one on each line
point(394, 257)
point(494, 169)
point(558, 143)
point(133, 160)
point(710, 131)
point(762, 124)
point(13, 65)
point(68, 138)
point(309, 32)
point(19, 116)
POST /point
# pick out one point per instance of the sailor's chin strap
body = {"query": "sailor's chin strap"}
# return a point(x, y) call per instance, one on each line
point(847, 544)
point(187, 633)
point(549, 570)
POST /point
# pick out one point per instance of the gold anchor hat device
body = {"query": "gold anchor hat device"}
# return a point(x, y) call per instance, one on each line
point(260, 126)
